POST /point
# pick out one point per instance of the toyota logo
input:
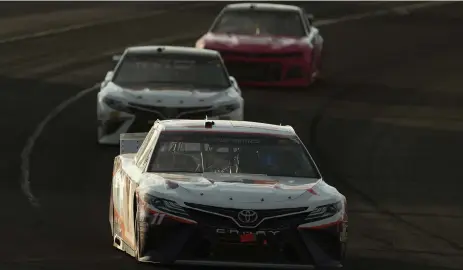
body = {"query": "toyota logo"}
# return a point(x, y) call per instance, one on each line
point(247, 216)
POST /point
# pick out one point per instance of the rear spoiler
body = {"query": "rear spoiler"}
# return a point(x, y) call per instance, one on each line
point(131, 142)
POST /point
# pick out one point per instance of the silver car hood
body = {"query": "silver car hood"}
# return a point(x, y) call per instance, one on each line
point(171, 97)
point(235, 191)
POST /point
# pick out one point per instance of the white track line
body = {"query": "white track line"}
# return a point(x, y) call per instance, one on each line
point(25, 155)
point(29, 147)
point(27, 150)
point(74, 27)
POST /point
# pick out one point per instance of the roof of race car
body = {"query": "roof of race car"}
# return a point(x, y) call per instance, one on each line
point(171, 50)
point(227, 125)
point(266, 6)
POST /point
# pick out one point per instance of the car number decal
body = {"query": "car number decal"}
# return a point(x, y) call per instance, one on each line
point(157, 219)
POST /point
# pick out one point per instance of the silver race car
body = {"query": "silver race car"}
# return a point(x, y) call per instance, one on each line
point(235, 193)
point(153, 82)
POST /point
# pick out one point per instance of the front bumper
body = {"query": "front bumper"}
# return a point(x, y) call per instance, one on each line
point(267, 72)
point(203, 239)
point(111, 123)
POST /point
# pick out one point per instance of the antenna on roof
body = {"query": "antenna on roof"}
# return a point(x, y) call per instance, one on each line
point(208, 124)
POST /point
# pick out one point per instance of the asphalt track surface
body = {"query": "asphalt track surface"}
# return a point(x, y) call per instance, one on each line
point(385, 124)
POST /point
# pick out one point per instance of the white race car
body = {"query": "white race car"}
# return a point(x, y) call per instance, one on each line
point(232, 193)
point(167, 82)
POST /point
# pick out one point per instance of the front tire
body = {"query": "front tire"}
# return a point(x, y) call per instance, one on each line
point(99, 132)
point(315, 67)
point(137, 232)
point(343, 252)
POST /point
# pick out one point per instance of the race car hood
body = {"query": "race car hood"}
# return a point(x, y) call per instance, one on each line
point(252, 43)
point(235, 190)
point(169, 96)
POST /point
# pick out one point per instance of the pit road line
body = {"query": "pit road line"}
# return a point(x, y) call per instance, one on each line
point(28, 148)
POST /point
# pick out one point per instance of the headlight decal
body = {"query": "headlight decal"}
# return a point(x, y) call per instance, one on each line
point(225, 109)
point(167, 206)
point(324, 211)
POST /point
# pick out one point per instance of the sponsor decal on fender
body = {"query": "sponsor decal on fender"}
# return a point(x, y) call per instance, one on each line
point(157, 219)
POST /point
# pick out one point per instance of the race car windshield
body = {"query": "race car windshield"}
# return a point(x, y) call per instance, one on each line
point(260, 22)
point(198, 152)
point(203, 72)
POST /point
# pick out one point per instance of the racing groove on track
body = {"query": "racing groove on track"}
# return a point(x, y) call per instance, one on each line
point(385, 126)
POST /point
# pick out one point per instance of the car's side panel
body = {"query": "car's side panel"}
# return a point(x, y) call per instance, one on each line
point(132, 175)
point(116, 183)
point(119, 186)
point(126, 177)
point(123, 197)
point(315, 42)
point(133, 172)
point(318, 43)
point(312, 38)
point(130, 213)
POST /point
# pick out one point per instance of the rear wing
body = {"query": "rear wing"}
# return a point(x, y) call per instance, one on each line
point(131, 142)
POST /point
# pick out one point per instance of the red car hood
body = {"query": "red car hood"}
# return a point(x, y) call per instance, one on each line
point(251, 43)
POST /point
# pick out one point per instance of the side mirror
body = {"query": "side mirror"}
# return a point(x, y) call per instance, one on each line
point(200, 44)
point(117, 58)
point(310, 18)
point(108, 78)
point(235, 83)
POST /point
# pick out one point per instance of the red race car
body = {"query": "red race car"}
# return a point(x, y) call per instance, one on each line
point(266, 44)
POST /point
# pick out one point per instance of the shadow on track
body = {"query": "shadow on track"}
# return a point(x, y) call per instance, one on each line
point(71, 175)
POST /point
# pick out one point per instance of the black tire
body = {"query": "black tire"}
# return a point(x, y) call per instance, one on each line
point(137, 232)
point(97, 135)
point(320, 66)
point(343, 252)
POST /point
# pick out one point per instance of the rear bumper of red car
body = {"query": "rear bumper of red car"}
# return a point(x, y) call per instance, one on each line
point(267, 72)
